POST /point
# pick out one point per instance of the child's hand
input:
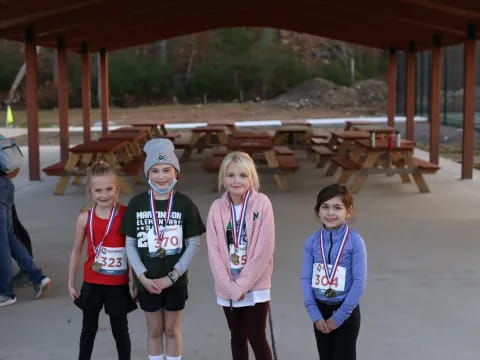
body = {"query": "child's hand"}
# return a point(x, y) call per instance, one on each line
point(163, 282)
point(331, 324)
point(242, 296)
point(73, 292)
point(150, 285)
point(321, 325)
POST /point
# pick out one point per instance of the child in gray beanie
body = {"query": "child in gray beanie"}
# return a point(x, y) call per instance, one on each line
point(160, 151)
point(162, 228)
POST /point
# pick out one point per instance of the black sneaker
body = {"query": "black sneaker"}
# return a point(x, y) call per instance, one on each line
point(22, 279)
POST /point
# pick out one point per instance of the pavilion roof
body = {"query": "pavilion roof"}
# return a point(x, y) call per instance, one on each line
point(115, 24)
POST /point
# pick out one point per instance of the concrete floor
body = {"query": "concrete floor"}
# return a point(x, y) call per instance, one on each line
point(423, 287)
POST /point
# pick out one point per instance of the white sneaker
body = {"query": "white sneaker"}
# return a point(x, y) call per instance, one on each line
point(7, 300)
point(42, 288)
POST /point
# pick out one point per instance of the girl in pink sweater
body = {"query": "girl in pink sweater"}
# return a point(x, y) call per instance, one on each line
point(240, 242)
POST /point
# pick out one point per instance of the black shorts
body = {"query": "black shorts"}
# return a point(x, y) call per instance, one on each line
point(171, 299)
point(115, 298)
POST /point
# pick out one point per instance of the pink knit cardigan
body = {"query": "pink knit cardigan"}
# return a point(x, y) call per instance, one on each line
point(260, 227)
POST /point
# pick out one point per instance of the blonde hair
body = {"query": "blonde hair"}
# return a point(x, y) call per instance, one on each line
point(245, 163)
point(100, 168)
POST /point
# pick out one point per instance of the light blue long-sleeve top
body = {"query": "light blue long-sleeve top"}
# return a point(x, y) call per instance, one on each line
point(354, 259)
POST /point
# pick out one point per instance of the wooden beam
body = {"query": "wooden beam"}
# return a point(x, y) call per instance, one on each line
point(86, 94)
point(104, 91)
point(327, 26)
point(435, 95)
point(469, 107)
point(392, 87)
point(62, 95)
point(410, 94)
point(466, 8)
point(27, 12)
point(31, 78)
point(399, 15)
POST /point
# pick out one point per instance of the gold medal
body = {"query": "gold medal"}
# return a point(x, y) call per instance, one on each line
point(330, 293)
point(235, 259)
point(96, 266)
point(161, 252)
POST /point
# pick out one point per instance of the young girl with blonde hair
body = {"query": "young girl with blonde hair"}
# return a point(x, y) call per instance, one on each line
point(241, 240)
point(105, 271)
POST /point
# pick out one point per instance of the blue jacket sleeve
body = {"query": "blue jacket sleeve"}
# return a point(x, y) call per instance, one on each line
point(306, 278)
point(359, 281)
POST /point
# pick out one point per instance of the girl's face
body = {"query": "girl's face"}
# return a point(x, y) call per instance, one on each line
point(333, 213)
point(162, 175)
point(236, 181)
point(104, 190)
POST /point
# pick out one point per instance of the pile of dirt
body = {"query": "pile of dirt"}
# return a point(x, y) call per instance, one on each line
point(324, 94)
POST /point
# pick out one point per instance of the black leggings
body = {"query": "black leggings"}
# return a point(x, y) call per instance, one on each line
point(119, 325)
point(340, 344)
point(249, 323)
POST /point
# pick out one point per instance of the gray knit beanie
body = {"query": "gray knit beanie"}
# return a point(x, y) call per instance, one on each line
point(160, 151)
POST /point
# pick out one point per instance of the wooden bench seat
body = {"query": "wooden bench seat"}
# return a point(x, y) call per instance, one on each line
point(320, 134)
point(58, 169)
point(426, 166)
point(282, 150)
point(212, 164)
point(321, 154)
point(220, 151)
point(132, 168)
point(54, 169)
point(346, 163)
point(322, 150)
point(349, 167)
point(319, 141)
point(182, 141)
point(287, 162)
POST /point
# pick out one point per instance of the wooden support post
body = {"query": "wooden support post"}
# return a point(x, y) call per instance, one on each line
point(86, 94)
point(392, 87)
point(469, 103)
point(104, 90)
point(435, 91)
point(62, 96)
point(410, 93)
point(32, 105)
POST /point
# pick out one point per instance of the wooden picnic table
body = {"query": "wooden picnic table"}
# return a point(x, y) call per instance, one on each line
point(203, 137)
point(157, 128)
point(384, 158)
point(229, 124)
point(252, 134)
point(341, 140)
point(298, 134)
point(350, 125)
point(250, 145)
point(113, 151)
point(136, 140)
point(279, 160)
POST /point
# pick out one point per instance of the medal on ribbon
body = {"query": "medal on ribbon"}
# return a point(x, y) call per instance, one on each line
point(161, 252)
point(234, 259)
point(97, 266)
point(237, 230)
point(330, 293)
